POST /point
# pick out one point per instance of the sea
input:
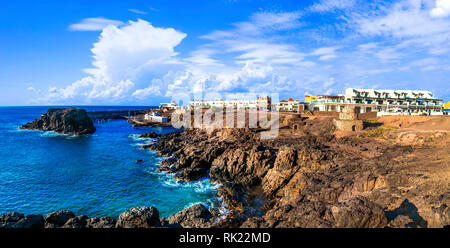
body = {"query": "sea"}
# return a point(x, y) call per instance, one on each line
point(96, 175)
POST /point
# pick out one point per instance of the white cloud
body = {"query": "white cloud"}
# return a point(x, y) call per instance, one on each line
point(146, 92)
point(329, 83)
point(121, 52)
point(125, 58)
point(32, 89)
point(274, 21)
point(137, 11)
point(330, 5)
point(407, 27)
point(253, 40)
point(407, 18)
point(136, 61)
point(94, 24)
point(442, 9)
point(325, 53)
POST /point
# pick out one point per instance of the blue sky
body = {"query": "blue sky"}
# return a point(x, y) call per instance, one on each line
point(144, 52)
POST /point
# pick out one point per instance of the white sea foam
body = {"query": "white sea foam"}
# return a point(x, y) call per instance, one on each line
point(223, 210)
point(52, 134)
point(140, 141)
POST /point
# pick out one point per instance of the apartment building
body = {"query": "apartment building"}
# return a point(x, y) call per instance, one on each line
point(288, 105)
point(385, 102)
point(171, 106)
point(260, 103)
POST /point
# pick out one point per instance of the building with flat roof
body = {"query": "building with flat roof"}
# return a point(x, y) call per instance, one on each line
point(384, 102)
point(288, 105)
point(171, 106)
point(260, 103)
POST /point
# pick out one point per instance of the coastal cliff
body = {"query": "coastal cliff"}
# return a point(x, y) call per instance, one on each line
point(67, 121)
point(314, 179)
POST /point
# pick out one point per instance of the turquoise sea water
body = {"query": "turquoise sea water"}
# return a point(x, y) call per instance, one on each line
point(95, 175)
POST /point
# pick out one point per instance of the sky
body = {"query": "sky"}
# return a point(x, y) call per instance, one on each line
point(144, 52)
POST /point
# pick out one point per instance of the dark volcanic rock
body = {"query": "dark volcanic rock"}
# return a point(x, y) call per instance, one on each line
point(59, 218)
point(9, 220)
point(190, 174)
point(139, 217)
point(11, 217)
point(68, 121)
point(149, 135)
point(31, 221)
point(76, 222)
point(197, 216)
point(103, 222)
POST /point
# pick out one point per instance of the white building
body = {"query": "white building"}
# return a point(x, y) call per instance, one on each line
point(260, 103)
point(289, 105)
point(172, 105)
point(384, 102)
point(155, 118)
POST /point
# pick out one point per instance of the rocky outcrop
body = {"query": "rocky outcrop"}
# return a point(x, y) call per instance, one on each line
point(103, 222)
point(197, 216)
point(139, 217)
point(18, 220)
point(312, 180)
point(76, 222)
point(67, 121)
point(149, 135)
point(59, 218)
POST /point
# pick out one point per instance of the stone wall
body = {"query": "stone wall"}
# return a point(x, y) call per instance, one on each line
point(368, 116)
point(325, 113)
point(349, 125)
point(349, 115)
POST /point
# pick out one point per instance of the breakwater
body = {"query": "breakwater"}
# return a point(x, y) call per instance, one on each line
point(114, 114)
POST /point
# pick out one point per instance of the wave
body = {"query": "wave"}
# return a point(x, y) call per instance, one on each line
point(48, 134)
point(223, 210)
point(52, 134)
point(199, 186)
point(202, 186)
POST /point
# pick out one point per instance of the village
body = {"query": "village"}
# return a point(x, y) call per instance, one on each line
point(355, 110)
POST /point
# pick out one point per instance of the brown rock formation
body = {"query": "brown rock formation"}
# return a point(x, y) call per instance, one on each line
point(312, 180)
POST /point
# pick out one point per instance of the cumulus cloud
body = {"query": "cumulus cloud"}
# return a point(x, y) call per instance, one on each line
point(94, 24)
point(136, 61)
point(125, 58)
point(146, 92)
point(442, 9)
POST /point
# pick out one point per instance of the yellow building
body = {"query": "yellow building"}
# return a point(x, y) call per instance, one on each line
point(310, 98)
point(447, 105)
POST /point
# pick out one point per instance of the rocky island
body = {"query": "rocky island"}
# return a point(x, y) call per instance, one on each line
point(67, 121)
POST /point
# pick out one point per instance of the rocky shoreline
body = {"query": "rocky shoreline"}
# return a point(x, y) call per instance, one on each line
point(196, 216)
point(313, 180)
point(308, 178)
